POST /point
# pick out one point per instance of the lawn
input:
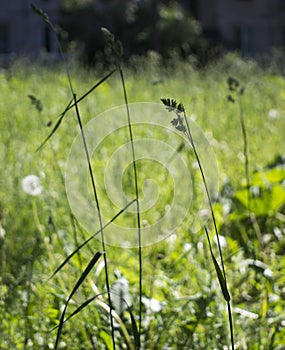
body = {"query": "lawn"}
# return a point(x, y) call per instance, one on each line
point(42, 223)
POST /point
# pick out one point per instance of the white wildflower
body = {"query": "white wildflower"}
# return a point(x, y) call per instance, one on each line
point(152, 305)
point(31, 185)
point(227, 206)
point(193, 117)
point(241, 156)
point(222, 240)
point(2, 232)
point(120, 296)
point(187, 247)
point(273, 114)
point(203, 213)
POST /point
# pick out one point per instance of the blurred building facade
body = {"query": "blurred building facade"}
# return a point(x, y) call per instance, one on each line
point(22, 32)
point(251, 26)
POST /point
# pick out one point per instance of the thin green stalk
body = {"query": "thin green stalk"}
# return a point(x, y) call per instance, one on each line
point(28, 324)
point(90, 238)
point(245, 153)
point(173, 106)
point(230, 317)
point(99, 215)
point(137, 198)
point(251, 215)
point(46, 19)
point(190, 137)
point(224, 288)
point(236, 91)
point(117, 49)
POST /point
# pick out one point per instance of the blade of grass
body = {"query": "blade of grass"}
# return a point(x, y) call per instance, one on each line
point(101, 81)
point(90, 238)
point(118, 319)
point(117, 49)
point(71, 105)
point(137, 199)
point(81, 307)
point(136, 332)
point(45, 17)
point(220, 276)
point(178, 109)
point(190, 137)
point(85, 273)
point(98, 212)
point(54, 128)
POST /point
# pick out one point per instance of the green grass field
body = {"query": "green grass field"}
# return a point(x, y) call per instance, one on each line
point(183, 306)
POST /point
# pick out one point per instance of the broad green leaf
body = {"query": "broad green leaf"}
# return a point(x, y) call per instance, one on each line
point(263, 178)
point(268, 201)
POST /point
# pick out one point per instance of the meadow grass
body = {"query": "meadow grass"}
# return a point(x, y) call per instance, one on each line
point(178, 277)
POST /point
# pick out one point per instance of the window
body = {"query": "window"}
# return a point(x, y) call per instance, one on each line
point(47, 43)
point(244, 40)
point(4, 37)
point(281, 5)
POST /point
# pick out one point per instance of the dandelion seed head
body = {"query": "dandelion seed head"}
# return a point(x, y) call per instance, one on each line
point(31, 185)
point(273, 114)
point(2, 233)
point(120, 296)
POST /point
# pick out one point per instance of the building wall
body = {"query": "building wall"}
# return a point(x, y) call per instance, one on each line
point(24, 32)
point(253, 26)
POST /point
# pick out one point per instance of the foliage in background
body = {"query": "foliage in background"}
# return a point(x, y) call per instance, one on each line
point(165, 27)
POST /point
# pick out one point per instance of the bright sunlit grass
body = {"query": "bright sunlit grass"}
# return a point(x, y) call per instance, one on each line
point(182, 305)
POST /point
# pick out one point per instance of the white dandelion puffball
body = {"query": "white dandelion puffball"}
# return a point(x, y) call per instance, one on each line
point(31, 184)
point(120, 296)
point(273, 114)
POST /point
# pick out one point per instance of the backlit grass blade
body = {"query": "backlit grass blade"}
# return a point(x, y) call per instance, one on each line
point(85, 273)
point(71, 105)
point(135, 329)
point(220, 275)
point(81, 307)
point(107, 76)
point(90, 238)
point(56, 126)
point(90, 300)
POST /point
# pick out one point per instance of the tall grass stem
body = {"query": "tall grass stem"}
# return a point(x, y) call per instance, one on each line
point(190, 137)
point(136, 195)
point(93, 184)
